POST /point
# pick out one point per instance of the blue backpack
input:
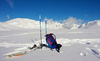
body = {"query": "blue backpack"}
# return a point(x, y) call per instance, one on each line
point(51, 40)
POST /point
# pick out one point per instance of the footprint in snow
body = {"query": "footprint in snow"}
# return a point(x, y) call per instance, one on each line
point(83, 53)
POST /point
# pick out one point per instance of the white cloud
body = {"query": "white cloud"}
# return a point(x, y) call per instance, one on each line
point(71, 21)
point(10, 3)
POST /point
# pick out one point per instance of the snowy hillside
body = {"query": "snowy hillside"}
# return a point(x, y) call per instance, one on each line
point(73, 26)
point(3, 27)
point(77, 44)
point(22, 23)
point(91, 24)
point(33, 24)
point(28, 23)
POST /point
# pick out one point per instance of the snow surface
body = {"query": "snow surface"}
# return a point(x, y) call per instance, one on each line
point(81, 44)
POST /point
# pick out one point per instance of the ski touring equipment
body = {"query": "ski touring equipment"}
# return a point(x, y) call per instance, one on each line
point(45, 25)
point(22, 52)
point(52, 43)
point(16, 54)
point(50, 39)
point(40, 29)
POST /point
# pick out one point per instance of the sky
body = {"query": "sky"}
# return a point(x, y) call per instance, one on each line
point(58, 10)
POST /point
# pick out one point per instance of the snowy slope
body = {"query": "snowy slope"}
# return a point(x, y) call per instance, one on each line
point(73, 26)
point(77, 44)
point(91, 24)
point(29, 23)
point(22, 23)
point(3, 27)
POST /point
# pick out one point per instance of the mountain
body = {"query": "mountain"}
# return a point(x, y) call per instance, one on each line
point(91, 24)
point(25, 23)
point(72, 26)
point(29, 23)
point(3, 27)
point(22, 23)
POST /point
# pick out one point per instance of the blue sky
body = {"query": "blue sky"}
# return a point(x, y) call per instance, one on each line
point(58, 10)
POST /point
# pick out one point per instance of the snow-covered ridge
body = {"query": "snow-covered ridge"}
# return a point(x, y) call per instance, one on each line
point(3, 27)
point(98, 21)
point(29, 23)
point(91, 24)
point(73, 26)
point(22, 23)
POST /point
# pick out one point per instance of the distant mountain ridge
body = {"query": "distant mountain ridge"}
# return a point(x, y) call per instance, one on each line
point(91, 24)
point(29, 23)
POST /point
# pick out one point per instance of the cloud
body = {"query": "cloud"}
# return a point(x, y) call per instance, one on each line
point(70, 21)
point(10, 3)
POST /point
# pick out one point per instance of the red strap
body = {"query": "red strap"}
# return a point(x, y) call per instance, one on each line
point(49, 41)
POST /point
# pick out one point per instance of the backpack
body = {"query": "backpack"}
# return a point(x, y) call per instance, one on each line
point(51, 40)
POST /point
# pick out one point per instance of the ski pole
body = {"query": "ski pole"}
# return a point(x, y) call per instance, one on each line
point(45, 25)
point(40, 29)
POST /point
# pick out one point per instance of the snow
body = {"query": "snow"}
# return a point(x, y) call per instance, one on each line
point(91, 24)
point(78, 44)
point(25, 23)
point(72, 23)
